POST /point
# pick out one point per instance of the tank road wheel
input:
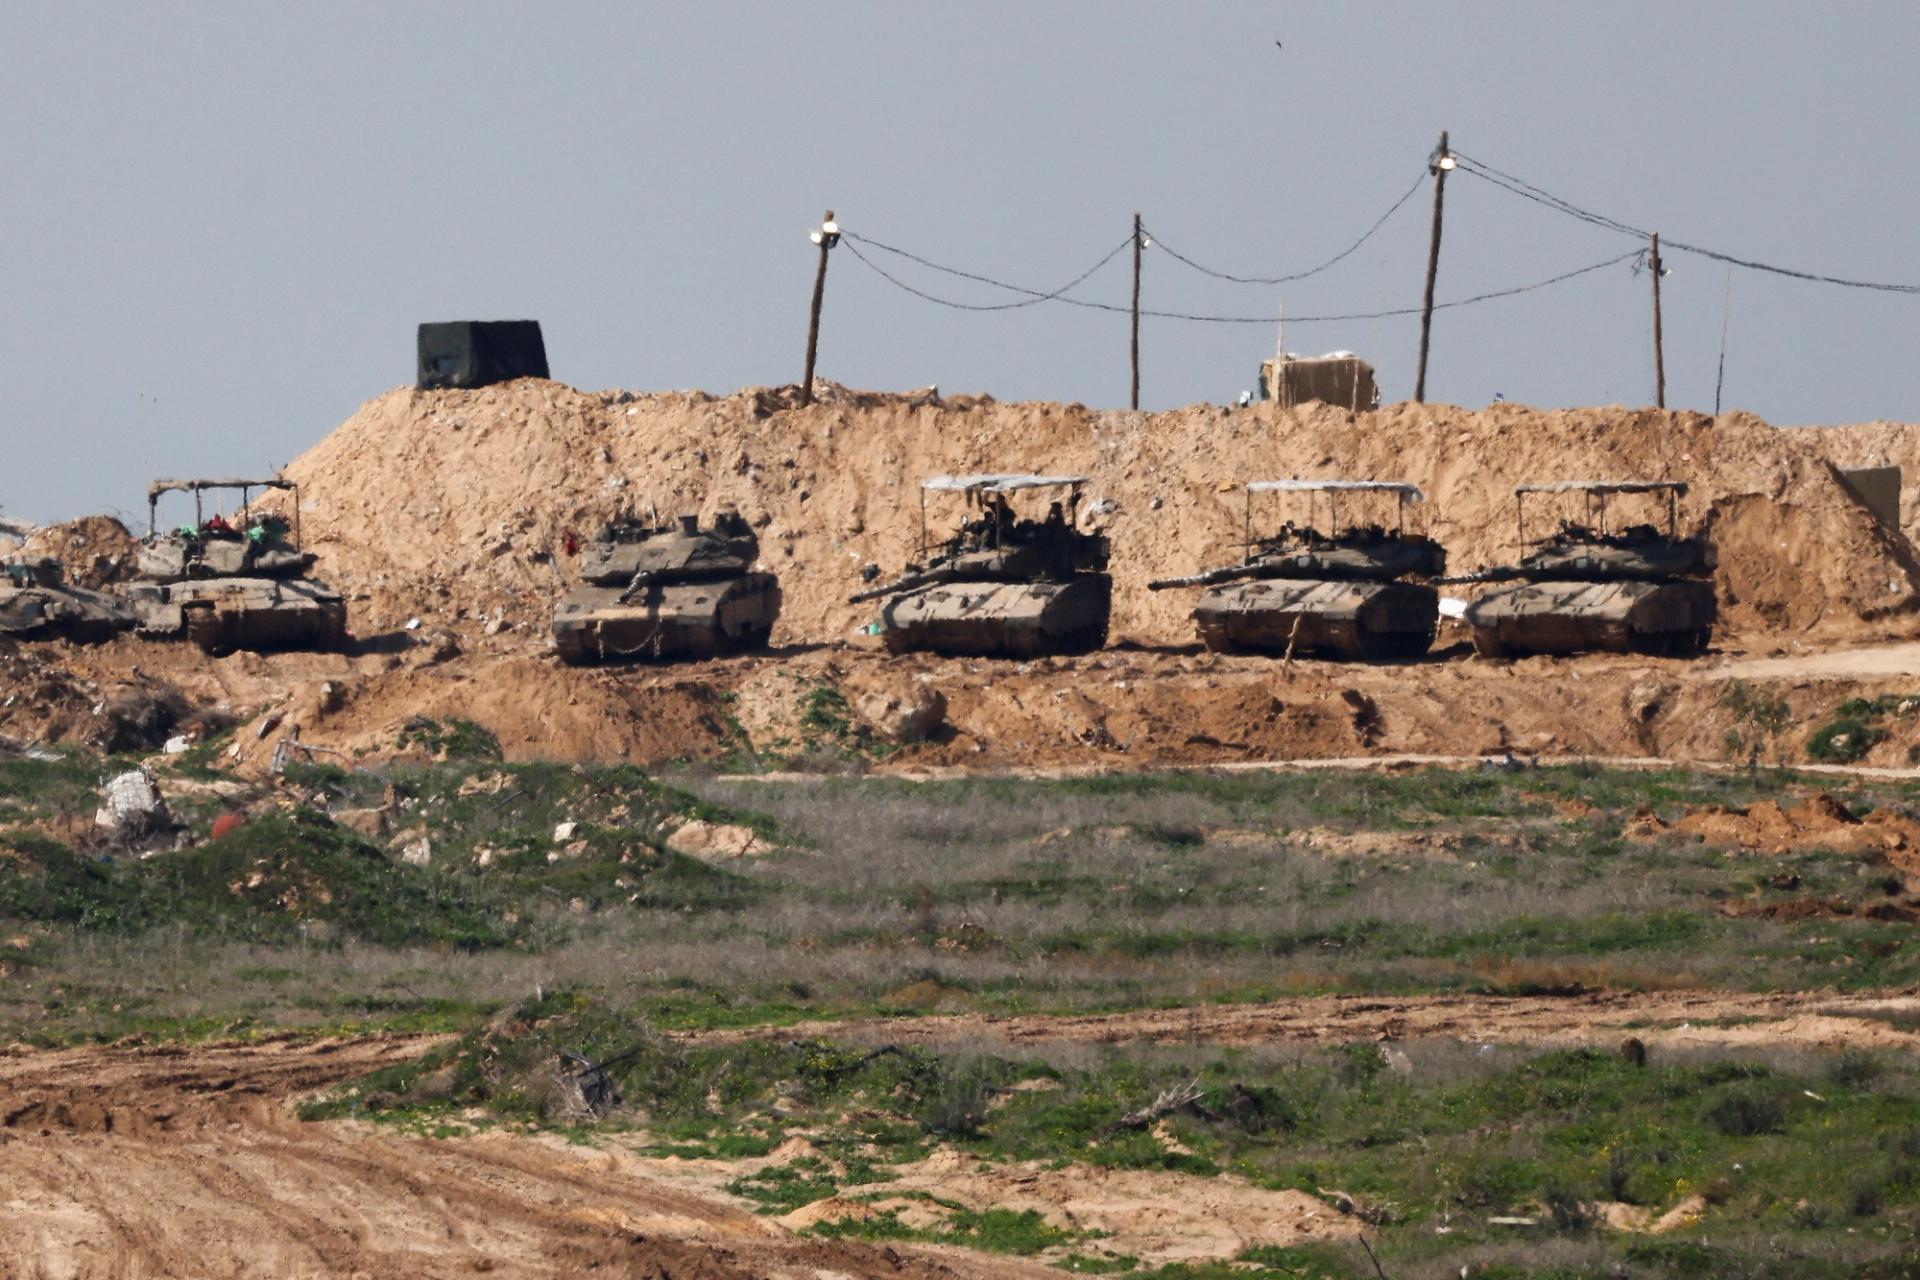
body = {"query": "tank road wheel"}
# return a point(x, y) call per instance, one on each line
point(1088, 639)
point(203, 628)
point(1394, 646)
point(571, 647)
point(1216, 639)
point(333, 633)
point(1486, 643)
point(1690, 643)
point(754, 638)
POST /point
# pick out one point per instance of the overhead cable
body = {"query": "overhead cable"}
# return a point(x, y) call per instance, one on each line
point(1160, 243)
point(1488, 173)
point(853, 242)
point(1033, 295)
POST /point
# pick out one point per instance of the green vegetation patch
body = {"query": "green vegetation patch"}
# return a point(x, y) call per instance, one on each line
point(450, 740)
point(1858, 725)
point(280, 878)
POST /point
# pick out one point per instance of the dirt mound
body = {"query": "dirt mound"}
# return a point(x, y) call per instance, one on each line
point(1818, 822)
point(458, 503)
point(95, 550)
point(1818, 558)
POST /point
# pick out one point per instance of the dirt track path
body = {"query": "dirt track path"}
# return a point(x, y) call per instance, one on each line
point(1670, 1018)
point(1901, 659)
point(187, 1160)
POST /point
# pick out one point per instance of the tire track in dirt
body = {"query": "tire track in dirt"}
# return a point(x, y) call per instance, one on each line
point(187, 1160)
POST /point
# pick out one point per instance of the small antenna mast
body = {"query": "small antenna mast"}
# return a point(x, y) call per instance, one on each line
point(1726, 311)
point(1279, 355)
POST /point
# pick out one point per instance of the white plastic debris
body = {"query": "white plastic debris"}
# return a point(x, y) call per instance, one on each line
point(564, 832)
point(1452, 607)
point(411, 624)
point(130, 802)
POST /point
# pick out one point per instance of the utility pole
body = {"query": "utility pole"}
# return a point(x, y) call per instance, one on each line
point(1659, 355)
point(1134, 400)
point(826, 237)
point(1442, 165)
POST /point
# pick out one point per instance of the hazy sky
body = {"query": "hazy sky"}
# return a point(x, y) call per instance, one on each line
point(220, 222)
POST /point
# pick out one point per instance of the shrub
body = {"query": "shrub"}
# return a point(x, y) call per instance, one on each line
point(1747, 1113)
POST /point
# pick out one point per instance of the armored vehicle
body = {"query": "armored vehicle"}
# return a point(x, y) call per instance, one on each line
point(678, 591)
point(1586, 586)
point(1000, 586)
point(38, 603)
point(233, 583)
point(1339, 595)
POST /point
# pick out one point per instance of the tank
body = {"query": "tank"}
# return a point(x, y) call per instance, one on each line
point(675, 592)
point(1341, 595)
point(1587, 588)
point(233, 584)
point(38, 603)
point(1001, 586)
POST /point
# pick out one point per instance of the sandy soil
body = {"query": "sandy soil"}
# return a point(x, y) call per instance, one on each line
point(1117, 710)
point(1659, 1018)
point(187, 1161)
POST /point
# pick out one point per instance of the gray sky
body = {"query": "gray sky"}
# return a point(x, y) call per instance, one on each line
point(220, 222)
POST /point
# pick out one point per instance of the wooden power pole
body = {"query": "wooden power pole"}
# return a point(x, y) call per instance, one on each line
point(1659, 355)
point(1134, 400)
point(1442, 164)
point(827, 236)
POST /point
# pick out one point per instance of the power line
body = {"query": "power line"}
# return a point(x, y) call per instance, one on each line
point(1487, 173)
point(1035, 296)
point(1379, 222)
point(1519, 187)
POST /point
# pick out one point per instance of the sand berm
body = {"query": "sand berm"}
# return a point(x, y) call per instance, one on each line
point(459, 500)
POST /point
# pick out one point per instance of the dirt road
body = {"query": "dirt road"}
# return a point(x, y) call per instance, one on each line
point(189, 1161)
point(1671, 1018)
point(1865, 663)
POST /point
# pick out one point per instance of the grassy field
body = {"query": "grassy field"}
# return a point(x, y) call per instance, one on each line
point(1803, 1164)
point(876, 896)
point(864, 896)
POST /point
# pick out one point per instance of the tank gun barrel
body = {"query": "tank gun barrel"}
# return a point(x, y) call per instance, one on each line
point(906, 582)
point(1492, 573)
point(1207, 578)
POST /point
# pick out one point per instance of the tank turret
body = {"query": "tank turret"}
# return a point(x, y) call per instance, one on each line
point(672, 591)
point(1001, 585)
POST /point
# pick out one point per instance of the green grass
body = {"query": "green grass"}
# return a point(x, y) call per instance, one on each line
point(1791, 1152)
point(278, 879)
point(452, 740)
point(997, 1230)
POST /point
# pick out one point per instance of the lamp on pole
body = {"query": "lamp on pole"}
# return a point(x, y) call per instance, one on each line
point(826, 235)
